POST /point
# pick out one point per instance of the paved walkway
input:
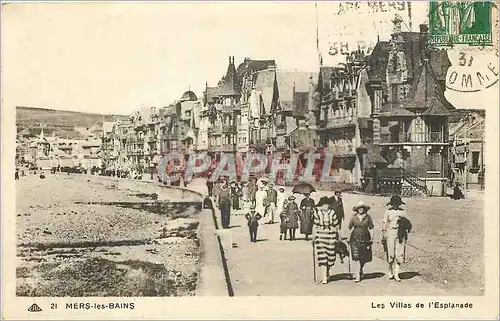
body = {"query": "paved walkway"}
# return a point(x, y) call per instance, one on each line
point(272, 267)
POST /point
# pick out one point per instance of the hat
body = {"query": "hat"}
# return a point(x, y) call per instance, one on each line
point(361, 204)
point(322, 201)
point(282, 189)
point(291, 197)
point(396, 200)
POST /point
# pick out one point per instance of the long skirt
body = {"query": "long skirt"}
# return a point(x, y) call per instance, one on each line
point(324, 244)
point(361, 251)
point(394, 247)
point(236, 202)
point(225, 212)
point(306, 221)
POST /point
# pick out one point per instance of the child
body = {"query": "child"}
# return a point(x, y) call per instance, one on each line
point(253, 223)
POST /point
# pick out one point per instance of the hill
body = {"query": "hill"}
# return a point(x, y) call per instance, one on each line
point(60, 122)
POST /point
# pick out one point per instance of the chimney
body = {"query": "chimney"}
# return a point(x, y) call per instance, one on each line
point(229, 59)
point(424, 29)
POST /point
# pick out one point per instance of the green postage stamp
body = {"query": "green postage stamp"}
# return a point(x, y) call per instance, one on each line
point(465, 22)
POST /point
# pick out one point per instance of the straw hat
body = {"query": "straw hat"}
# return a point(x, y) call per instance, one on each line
point(361, 204)
point(291, 197)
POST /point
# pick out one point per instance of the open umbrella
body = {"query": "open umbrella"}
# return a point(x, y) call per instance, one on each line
point(303, 188)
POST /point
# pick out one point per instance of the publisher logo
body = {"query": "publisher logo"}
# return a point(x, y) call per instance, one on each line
point(34, 308)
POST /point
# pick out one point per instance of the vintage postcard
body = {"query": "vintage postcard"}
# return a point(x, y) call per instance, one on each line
point(250, 160)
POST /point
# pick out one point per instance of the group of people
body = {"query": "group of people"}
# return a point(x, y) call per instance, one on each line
point(328, 242)
point(323, 221)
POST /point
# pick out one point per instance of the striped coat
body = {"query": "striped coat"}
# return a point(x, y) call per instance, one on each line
point(327, 227)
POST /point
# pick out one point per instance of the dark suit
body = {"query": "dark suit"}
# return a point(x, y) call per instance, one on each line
point(253, 225)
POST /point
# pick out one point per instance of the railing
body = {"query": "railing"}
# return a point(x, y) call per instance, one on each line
point(281, 129)
point(337, 122)
point(214, 130)
point(425, 137)
point(340, 150)
point(227, 109)
point(415, 181)
point(228, 128)
point(228, 148)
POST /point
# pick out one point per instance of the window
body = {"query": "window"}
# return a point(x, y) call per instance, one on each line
point(475, 159)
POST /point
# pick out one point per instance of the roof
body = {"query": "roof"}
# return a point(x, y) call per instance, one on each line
point(298, 80)
point(425, 94)
point(324, 78)
point(210, 93)
point(249, 65)
point(265, 83)
point(229, 85)
point(188, 96)
point(377, 61)
point(301, 104)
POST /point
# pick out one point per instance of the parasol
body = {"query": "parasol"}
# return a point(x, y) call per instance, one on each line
point(303, 188)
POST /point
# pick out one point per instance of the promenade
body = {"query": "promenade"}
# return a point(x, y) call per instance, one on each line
point(435, 263)
point(272, 267)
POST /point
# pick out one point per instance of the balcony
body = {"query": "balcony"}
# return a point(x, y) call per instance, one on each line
point(227, 109)
point(215, 130)
point(228, 128)
point(281, 129)
point(337, 122)
point(281, 145)
point(228, 148)
point(414, 138)
point(169, 136)
point(348, 150)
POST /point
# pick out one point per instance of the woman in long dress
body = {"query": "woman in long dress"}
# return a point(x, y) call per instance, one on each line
point(395, 243)
point(307, 208)
point(327, 232)
point(235, 195)
point(260, 201)
point(291, 212)
point(361, 238)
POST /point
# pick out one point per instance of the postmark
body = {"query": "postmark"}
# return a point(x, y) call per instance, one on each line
point(466, 22)
point(471, 71)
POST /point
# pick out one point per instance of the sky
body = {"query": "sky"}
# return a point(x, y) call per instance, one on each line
point(119, 57)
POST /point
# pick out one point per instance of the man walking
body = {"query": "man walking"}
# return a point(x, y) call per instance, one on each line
point(272, 200)
point(225, 205)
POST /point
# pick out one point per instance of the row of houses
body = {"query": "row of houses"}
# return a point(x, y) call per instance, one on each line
point(45, 152)
point(383, 111)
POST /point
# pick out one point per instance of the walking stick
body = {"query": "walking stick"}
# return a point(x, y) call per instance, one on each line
point(404, 252)
point(349, 261)
point(314, 259)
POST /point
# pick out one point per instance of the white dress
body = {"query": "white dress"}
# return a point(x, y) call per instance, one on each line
point(260, 197)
